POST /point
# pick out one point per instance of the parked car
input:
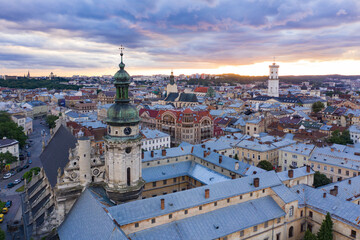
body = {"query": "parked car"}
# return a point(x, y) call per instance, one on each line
point(11, 185)
point(1, 218)
point(17, 181)
point(8, 203)
point(7, 175)
point(19, 169)
point(30, 161)
point(21, 157)
point(29, 154)
point(5, 210)
point(26, 166)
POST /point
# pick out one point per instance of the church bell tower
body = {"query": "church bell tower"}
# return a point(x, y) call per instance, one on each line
point(123, 144)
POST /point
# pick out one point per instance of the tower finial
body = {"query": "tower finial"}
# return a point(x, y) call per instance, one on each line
point(121, 52)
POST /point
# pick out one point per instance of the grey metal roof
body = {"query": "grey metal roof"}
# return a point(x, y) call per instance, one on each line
point(337, 155)
point(217, 223)
point(88, 219)
point(188, 168)
point(7, 142)
point(148, 208)
point(344, 211)
point(298, 172)
point(347, 191)
point(299, 148)
point(285, 193)
point(56, 153)
point(196, 150)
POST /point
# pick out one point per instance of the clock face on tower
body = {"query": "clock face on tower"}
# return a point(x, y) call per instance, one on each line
point(127, 131)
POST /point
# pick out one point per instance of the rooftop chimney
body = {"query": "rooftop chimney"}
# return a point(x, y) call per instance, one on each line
point(236, 166)
point(324, 195)
point(203, 145)
point(349, 181)
point(256, 182)
point(334, 191)
point(291, 173)
point(220, 159)
point(163, 152)
point(142, 155)
point(162, 204)
point(308, 168)
point(205, 154)
point(207, 193)
point(152, 153)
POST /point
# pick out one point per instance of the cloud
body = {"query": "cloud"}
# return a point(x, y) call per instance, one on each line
point(341, 12)
point(170, 34)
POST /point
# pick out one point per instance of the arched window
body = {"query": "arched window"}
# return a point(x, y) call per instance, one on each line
point(291, 211)
point(291, 232)
point(128, 176)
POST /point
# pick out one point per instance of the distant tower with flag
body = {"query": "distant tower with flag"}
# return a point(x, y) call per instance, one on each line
point(273, 82)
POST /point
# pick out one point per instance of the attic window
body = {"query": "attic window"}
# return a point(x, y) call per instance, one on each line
point(74, 163)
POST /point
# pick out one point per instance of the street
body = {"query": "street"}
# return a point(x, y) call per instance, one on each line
point(35, 142)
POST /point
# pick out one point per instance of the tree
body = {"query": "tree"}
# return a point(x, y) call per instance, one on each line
point(210, 92)
point(2, 234)
point(265, 165)
point(7, 158)
point(11, 130)
point(317, 106)
point(340, 138)
point(50, 120)
point(320, 179)
point(325, 232)
point(309, 235)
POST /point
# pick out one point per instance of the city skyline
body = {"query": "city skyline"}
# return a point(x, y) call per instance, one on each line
point(212, 37)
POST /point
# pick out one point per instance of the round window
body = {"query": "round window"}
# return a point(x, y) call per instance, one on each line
point(128, 150)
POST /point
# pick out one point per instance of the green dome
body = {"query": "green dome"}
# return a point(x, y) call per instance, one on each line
point(122, 75)
point(122, 114)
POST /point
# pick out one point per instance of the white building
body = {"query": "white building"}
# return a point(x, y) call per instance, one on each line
point(355, 133)
point(20, 120)
point(273, 82)
point(25, 122)
point(154, 139)
point(9, 145)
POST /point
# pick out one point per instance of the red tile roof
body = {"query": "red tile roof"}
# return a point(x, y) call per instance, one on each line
point(201, 89)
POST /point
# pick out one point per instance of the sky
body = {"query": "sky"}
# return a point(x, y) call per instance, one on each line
point(82, 37)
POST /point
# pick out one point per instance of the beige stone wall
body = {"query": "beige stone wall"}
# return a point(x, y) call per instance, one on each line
point(286, 159)
point(251, 156)
point(341, 231)
point(163, 187)
point(334, 172)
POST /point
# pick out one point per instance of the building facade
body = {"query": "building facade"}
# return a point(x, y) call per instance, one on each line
point(185, 126)
point(154, 139)
point(9, 145)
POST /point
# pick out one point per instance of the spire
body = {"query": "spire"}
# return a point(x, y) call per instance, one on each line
point(121, 65)
point(172, 78)
point(122, 81)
